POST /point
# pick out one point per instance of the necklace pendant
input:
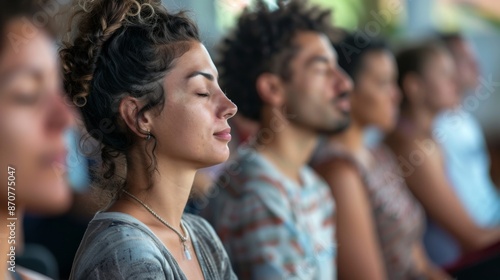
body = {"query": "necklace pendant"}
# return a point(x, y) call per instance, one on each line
point(187, 254)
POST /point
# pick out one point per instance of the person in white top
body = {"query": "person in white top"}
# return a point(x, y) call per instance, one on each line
point(465, 155)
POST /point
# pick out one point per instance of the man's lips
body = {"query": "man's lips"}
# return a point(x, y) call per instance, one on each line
point(224, 134)
point(343, 102)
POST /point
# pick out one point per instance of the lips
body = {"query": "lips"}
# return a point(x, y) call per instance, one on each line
point(224, 135)
point(55, 160)
point(343, 103)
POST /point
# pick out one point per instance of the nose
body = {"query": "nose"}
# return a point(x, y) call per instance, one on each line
point(59, 114)
point(343, 83)
point(228, 108)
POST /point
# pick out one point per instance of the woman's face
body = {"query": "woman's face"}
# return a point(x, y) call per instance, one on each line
point(438, 83)
point(376, 97)
point(192, 128)
point(33, 119)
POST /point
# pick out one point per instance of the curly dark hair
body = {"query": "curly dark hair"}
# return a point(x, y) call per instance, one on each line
point(262, 42)
point(121, 48)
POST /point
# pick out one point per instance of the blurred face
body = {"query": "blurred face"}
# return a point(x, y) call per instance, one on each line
point(317, 93)
point(375, 98)
point(33, 119)
point(466, 66)
point(193, 128)
point(438, 84)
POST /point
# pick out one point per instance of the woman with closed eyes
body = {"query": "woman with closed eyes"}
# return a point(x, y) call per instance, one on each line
point(147, 90)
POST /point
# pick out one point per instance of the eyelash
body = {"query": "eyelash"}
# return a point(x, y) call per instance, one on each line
point(203, 94)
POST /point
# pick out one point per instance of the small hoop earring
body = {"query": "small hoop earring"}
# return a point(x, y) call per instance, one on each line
point(148, 136)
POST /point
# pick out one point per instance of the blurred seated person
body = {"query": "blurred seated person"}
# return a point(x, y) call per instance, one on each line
point(33, 121)
point(428, 84)
point(465, 155)
point(273, 213)
point(379, 222)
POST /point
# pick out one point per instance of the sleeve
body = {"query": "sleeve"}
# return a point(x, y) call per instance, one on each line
point(261, 236)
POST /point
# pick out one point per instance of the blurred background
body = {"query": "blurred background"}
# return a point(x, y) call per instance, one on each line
point(399, 21)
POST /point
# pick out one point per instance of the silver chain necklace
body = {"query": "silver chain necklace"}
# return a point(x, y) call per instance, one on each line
point(184, 239)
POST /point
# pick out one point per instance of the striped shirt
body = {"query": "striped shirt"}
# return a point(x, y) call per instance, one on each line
point(118, 246)
point(271, 227)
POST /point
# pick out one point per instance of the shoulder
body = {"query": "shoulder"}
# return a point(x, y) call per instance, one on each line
point(338, 169)
point(246, 179)
point(112, 246)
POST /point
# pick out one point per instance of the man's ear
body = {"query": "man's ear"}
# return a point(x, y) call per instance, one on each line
point(139, 124)
point(271, 89)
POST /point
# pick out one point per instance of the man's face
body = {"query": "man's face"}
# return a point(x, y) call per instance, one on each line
point(317, 90)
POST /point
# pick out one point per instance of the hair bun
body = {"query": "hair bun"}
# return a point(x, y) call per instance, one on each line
point(97, 22)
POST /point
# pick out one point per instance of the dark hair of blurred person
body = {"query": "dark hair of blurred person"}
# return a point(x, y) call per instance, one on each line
point(465, 155)
point(427, 78)
point(273, 213)
point(33, 119)
point(379, 222)
point(148, 93)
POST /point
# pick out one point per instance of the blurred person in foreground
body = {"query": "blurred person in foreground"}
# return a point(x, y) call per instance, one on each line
point(428, 84)
point(33, 120)
point(148, 93)
point(274, 215)
point(465, 155)
point(380, 224)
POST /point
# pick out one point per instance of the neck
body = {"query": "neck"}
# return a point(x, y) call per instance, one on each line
point(420, 120)
point(351, 139)
point(168, 191)
point(287, 146)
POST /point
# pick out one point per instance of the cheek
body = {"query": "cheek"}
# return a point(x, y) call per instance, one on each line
point(441, 93)
point(184, 127)
point(373, 107)
point(22, 138)
point(22, 142)
point(365, 106)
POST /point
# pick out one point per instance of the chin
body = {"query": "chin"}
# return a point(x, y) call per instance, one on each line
point(217, 158)
point(220, 159)
point(387, 127)
point(50, 199)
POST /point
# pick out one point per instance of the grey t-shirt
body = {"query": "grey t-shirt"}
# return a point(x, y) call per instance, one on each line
point(118, 246)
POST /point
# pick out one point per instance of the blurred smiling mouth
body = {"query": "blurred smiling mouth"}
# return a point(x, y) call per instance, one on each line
point(224, 135)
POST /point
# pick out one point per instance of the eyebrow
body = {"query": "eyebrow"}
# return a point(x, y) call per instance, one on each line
point(317, 59)
point(209, 77)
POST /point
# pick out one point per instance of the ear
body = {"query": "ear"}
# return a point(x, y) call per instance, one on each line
point(139, 124)
point(271, 89)
point(412, 87)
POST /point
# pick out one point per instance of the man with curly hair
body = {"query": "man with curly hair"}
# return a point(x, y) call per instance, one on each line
point(274, 215)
